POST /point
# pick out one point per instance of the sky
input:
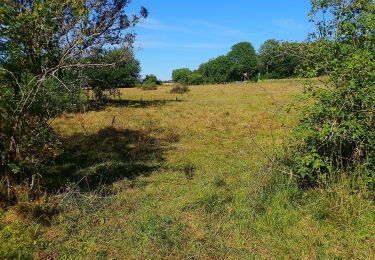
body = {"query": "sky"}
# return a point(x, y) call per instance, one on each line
point(184, 34)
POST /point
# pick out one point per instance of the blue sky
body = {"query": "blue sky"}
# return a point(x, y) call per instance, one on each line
point(182, 33)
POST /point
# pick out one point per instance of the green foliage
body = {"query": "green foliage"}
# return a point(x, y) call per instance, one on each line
point(239, 61)
point(150, 82)
point(42, 45)
point(337, 133)
point(181, 75)
point(219, 70)
point(244, 57)
point(280, 59)
point(121, 70)
point(151, 79)
point(187, 77)
point(195, 78)
point(275, 60)
point(26, 144)
point(17, 238)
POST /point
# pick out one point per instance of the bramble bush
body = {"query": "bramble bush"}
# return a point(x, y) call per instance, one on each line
point(337, 133)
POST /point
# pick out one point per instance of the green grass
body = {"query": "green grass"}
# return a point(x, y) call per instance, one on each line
point(159, 175)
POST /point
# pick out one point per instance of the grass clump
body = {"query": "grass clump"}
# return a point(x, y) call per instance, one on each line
point(149, 86)
point(179, 89)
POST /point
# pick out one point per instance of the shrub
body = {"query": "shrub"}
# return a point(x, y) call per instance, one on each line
point(337, 133)
point(179, 89)
point(151, 79)
point(149, 86)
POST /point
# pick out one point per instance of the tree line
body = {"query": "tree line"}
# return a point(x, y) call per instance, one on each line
point(275, 60)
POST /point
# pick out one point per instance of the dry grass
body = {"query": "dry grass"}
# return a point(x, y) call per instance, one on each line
point(186, 177)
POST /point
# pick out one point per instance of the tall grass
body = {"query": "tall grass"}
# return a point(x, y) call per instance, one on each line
point(193, 178)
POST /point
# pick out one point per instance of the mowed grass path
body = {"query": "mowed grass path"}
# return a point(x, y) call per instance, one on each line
point(184, 176)
point(198, 203)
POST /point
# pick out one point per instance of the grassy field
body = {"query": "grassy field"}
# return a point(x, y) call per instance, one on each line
point(158, 175)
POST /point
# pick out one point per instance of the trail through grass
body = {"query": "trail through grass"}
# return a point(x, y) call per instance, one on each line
point(158, 175)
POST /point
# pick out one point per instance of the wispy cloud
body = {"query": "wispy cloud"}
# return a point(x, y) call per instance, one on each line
point(289, 24)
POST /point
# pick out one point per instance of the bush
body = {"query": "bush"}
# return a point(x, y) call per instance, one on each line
point(149, 86)
point(337, 133)
point(27, 145)
point(179, 89)
point(39, 84)
point(151, 79)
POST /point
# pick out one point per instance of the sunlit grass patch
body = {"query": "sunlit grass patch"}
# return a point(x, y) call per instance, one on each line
point(161, 175)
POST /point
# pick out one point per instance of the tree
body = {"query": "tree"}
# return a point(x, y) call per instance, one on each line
point(267, 56)
point(194, 78)
point(124, 73)
point(181, 75)
point(219, 70)
point(151, 79)
point(42, 44)
point(280, 59)
point(187, 77)
point(225, 68)
point(243, 55)
point(337, 133)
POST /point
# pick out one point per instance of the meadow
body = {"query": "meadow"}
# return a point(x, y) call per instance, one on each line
point(155, 175)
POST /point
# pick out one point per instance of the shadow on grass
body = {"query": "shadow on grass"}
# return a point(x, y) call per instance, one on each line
point(91, 161)
point(95, 106)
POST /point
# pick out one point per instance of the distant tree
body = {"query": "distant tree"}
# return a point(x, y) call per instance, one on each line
point(194, 78)
point(244, 57)
point(151, 79)
point(267, 56)
point(185, 76)
point(280, 59)
point(181, 75)
point(291, 58)
point(124, 72)
point(219, 70)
